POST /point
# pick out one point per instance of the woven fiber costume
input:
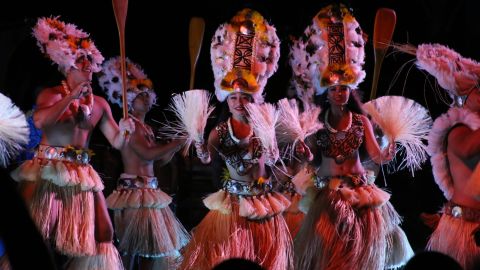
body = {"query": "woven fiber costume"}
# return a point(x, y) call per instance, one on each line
point(245, 219)
point(349, 223)
point(143, 220)
point(64, 202)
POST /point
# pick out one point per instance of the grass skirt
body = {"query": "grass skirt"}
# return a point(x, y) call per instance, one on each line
point(222, 236)
point(293, 216)
point(150, 232)
point(455, 237)
point(335, 235)
point(145, 224)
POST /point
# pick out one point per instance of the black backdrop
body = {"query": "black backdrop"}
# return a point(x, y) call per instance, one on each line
point(157, 39)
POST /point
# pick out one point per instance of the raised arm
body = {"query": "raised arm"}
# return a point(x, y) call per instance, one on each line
point(162, 152)
point(204, 152)
point(373, 149)
point(51, 105)
point(115, 134)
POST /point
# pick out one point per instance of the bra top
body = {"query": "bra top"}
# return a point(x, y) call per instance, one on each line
point(341, 145)
point(242, 158)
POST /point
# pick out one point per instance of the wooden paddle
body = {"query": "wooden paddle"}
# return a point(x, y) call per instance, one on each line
point(120, 8)
point(195, 38)
point(382, 35)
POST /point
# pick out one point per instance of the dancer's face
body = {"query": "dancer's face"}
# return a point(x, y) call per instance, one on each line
point(338, 95)
point(236, 103)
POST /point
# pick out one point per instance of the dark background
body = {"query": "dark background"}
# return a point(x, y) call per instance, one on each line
point(157, 39)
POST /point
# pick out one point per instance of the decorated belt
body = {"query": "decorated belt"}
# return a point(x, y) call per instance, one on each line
point(353, 180)
point(463, 212)
point(249, 188)
point(69, 153)
point(287, 186)
point(135, 182)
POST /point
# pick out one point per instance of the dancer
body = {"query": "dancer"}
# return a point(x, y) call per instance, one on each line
point(349, 224)
point(144, 223)
point(454, 147)
point(245, 218)
point(63, 191)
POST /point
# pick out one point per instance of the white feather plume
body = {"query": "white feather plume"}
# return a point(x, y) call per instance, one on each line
point(14, 130)
point(405, 122)
point(294, 126)
point(263, 118)
point(192, 110)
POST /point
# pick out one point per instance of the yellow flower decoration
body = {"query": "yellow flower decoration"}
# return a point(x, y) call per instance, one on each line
point(261, 180)
point(326, 16)
point(244, 77)
point(338, 74)
point(145, 82)
point(253, 16)
point(225, 175)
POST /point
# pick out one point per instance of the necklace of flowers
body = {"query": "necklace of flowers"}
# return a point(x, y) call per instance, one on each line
point(230, 130)
point(331, 129)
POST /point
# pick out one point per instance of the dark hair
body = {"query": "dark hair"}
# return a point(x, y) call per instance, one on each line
point(432, 260)
point(354, 103)
point(224, 113)
point(238, 264)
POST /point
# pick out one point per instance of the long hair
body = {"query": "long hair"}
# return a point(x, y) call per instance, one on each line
point(354, 103)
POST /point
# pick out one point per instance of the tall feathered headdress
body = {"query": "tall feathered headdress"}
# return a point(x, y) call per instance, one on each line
point(244, 54)
point(110, 79)
point(455, 73)
point(330, 52)
point(65, 43)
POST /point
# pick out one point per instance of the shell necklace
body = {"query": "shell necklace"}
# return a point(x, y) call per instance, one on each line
point(331, 129)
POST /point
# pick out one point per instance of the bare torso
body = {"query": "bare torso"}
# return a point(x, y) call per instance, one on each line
point(71, 132)
point(329, 167)
point(461, 172)
point(134, 163)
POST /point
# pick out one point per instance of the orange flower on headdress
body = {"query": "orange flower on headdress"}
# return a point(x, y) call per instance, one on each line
point(53, 22)
point(85, 43)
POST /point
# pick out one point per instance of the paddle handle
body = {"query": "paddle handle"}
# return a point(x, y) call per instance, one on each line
point(195, 39)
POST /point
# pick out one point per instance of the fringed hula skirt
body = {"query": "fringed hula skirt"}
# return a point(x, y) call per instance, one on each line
point(455, 235)
point(143, 221)
point(241, 225)
point(349, 225)
point(63, 205)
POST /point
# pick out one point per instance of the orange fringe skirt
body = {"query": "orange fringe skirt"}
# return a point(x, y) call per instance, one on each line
point(224, 233)
point(336, 235)
point(455, 236)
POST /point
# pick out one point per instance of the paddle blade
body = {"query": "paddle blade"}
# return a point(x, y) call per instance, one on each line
point(195, 39)
point(120, 8)
point(385, 21)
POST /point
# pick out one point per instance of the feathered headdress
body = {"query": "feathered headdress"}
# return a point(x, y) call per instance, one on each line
point(65, 43)
point(455, 73)
point(110, 79)
point(330, 52)
point(244, 54)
